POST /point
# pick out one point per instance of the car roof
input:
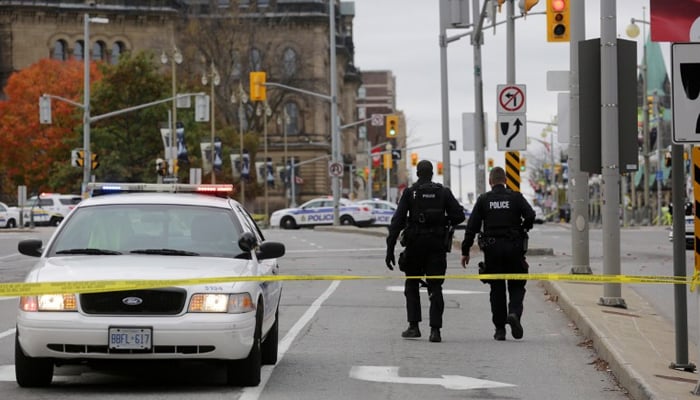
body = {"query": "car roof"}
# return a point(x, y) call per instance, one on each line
point(159, 198)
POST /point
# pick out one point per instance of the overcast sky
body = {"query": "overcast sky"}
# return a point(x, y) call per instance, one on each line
point(402, 36)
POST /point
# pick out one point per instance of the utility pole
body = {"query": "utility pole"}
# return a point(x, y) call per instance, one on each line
point(335, 133)
point(612, 292)
point(578, 180)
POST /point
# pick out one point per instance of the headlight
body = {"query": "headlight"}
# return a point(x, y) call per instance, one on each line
point(48, 302)
point(221, 303)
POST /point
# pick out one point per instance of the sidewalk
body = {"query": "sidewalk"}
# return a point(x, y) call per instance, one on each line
point(637, 344)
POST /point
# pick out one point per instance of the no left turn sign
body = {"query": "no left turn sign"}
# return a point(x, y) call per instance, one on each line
point(511, 99)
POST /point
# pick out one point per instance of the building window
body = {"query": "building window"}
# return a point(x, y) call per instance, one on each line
point(78, 50)
point(263, 3)
point(289, 62)
point(292, 110)
point(98, 51)
point(59, 50)
point(255, 59)
point(117, 50)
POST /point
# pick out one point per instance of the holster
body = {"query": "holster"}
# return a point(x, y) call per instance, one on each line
point(449, 236)
point(402, 261)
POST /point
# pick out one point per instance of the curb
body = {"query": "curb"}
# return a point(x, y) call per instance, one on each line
point(626, 376)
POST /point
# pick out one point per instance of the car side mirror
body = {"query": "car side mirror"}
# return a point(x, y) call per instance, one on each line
point(270, 250)
point(30, 247)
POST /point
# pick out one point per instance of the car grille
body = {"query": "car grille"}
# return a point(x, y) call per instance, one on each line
point(95, 349)
point(169, 301)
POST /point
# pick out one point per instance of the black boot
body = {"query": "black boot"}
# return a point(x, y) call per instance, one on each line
point(500, 334)
point(516, 329)
point(412, 332)
point(435, 335)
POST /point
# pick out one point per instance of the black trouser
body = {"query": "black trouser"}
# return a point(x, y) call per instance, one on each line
point(420, 262)
point(505, 256)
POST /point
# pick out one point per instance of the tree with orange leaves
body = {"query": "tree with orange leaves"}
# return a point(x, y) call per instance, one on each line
point(31, 153)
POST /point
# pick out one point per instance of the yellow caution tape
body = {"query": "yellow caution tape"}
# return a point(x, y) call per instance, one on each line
point(694, 281)
point(28, 289)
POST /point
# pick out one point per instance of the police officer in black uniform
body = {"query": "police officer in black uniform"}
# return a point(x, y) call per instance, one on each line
point(506, 218)
point(429, 212)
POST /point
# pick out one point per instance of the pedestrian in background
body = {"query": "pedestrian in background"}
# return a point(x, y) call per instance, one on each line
point(506, 217)
point(427, 213)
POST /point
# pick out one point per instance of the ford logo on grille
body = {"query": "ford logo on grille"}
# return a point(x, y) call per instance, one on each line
point(132, 301)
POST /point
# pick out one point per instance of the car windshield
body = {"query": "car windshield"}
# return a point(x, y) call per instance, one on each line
point(172, 230)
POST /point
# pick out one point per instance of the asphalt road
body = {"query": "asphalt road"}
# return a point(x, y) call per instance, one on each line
point(340, 339)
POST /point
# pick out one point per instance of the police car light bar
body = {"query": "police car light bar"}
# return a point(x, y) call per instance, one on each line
point(101, 188)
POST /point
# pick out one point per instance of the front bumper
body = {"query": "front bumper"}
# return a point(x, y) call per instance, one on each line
point(72, 335)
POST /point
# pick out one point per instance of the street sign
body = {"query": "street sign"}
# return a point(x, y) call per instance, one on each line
point(512, 132)
point(377, 120)
point(685, 77)
point(453, 145)
point(335, 169)
point(511, 99)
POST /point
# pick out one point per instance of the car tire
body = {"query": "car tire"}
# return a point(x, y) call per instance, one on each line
point(271, 343)
point(288, 223)
point(55, 221)
point(31, 372)
point(347, 220)
point(11, 224)
point(246, 372)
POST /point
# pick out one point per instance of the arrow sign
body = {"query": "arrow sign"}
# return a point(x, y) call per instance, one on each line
point(391, 375)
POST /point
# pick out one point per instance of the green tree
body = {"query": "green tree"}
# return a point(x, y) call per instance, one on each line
point(127, 144)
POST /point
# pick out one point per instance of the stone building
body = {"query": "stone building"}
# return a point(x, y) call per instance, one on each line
point(289, 39)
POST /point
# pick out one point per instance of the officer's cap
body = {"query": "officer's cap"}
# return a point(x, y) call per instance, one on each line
point(424, 169)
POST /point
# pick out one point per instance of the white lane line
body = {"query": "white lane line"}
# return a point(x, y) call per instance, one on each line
point(9, 255)
point(7, 333)
point(254, 393)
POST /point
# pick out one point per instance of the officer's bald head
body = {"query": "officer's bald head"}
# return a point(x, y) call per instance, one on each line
point(497, 176)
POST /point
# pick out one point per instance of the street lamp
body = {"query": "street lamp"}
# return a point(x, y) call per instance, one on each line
point(388, 170)
point(284, 121)
point(215, 81)
point(86, 99)
point(633, 31)
point(268, 113)
point(175, 59)
point(241, 119)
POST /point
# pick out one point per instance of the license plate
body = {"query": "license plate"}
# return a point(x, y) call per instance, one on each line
point(130, 338)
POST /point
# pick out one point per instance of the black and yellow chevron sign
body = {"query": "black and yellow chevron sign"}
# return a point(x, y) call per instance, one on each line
point(696, 210)
point(513, 170)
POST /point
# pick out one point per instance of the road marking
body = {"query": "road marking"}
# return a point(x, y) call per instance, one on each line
point(7, 333)
point(9, 256)
point(444, 291)
point(254, 393)
point(453, 382)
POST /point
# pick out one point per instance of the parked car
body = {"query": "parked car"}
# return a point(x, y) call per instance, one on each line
point(152, 236)
point(319, 211)
point(689, 232)
point(9, 216)
point(382, 211)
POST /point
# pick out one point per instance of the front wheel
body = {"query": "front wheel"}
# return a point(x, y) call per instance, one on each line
point(270, 345)
point(31, 372)
point(11, 224)
point(288, 223)
point(347, 220)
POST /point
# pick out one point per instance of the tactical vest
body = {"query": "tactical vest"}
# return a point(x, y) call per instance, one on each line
point(427, 206)
point(502, 216)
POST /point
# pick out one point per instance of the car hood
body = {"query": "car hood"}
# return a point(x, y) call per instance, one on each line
point(134, 267)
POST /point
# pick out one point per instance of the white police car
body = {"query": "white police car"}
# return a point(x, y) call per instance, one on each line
point(381, 209)
point(319, 211)
point(161, 235)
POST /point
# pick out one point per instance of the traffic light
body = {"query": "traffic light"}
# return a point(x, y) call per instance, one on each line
point(77, 157)
point(667, 160)
point(392, 126)
point(258, 90)
point(439, 168)
point(650, 106)
point(366, 173)
point(558, 20)
point(522, 163)
point(414, 159)
point(94, 161)
point(161, 167)
point(490, 164)
point(176, 168)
